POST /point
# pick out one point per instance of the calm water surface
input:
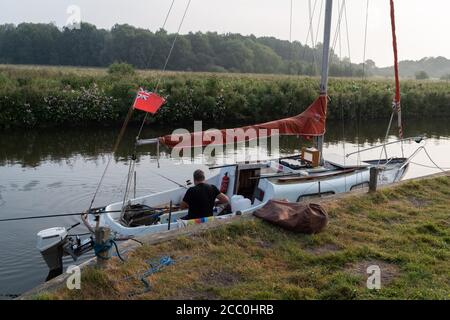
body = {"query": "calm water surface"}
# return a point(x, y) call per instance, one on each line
point(56, 171)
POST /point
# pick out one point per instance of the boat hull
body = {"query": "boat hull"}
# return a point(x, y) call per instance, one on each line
point(299, 188)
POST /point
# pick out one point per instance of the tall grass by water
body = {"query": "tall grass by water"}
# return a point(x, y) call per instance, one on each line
point(60, 97)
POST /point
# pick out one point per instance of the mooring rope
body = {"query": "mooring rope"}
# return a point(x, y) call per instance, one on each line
point(429, 167)
point(106, 246)
point(431, 159)
point(154, 267)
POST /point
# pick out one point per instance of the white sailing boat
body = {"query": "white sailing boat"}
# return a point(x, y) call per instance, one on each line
point(252, 185)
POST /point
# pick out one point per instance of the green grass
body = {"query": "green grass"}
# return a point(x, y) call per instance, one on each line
point(32, 96)
point(405, 230)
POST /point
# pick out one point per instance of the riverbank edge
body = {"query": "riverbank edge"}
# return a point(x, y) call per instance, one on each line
point(45, 97)
point(129, 246)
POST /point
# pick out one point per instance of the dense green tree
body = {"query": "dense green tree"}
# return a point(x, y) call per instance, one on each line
point(30, 43)
point(81, 47)
point(422, 75)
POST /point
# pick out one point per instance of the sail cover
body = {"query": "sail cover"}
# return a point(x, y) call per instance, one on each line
point(308, 124)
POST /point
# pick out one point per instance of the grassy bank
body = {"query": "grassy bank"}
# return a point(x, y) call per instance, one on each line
point(404, 230)
point(52, 97)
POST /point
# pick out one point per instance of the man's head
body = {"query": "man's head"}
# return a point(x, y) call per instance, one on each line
point(199, 177)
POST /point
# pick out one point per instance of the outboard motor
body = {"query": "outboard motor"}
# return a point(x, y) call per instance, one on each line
point(50, 243)
point(54, 244)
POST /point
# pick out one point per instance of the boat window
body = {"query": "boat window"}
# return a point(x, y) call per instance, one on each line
point(259, 194)
point(308, 197)
point(360, 186)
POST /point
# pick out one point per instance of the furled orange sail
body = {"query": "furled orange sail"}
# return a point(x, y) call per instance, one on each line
point(310, 123)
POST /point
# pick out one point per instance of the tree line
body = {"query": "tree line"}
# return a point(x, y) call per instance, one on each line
point(46, 44)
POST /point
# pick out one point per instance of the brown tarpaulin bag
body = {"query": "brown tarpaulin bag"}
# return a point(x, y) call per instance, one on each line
point(306, 218)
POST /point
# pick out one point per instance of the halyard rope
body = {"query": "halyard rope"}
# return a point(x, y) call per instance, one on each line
point(167, 60)
point(130, 112)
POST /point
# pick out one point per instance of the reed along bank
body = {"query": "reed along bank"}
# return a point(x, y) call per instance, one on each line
point(62, 96)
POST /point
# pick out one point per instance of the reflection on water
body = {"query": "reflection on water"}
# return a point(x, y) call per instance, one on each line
point(57, 171)
point(31, 148)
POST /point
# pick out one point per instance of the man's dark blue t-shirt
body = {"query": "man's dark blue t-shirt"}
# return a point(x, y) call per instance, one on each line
point(201, 199)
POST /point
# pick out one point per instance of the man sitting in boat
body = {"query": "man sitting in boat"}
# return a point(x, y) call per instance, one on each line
point(201, 198)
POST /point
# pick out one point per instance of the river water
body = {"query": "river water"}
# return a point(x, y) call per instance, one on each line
point(56, 171)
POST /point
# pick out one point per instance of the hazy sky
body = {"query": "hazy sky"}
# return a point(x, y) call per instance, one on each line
point(422, 25)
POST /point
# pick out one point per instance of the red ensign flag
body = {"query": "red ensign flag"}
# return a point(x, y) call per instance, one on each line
point(148, 101)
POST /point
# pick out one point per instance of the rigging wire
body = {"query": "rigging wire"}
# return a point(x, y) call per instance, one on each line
point(167, 58)
point(163, 28)
point(291, 47)
point(338, 28)
point(116, 146)
point(168, 14)
point(362, 85)
point(348, 38)
point(133, 160)
point(340, 102)
point(396, 103)
point(290, 23)
point(319, 20)
point(125, 124)
point(317, 31)
point(173, 43)
point(311, 11)
point(340, 37)
point(365, 40)
point(311, 18)
point(131, 168)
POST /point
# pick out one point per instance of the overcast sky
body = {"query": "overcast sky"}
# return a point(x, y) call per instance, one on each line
point(422, 25)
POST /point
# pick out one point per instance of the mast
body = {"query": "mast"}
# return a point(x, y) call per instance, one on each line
point(396, 102)
point(325, 63)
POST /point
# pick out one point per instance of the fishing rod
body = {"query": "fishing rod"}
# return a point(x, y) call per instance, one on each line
point(68, 215)
point(188, 182)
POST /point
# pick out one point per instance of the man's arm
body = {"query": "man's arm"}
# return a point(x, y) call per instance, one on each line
point(186, 199)
point(223, 198)
point(183, 205)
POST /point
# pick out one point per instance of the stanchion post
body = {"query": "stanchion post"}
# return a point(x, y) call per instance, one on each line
point(102, 240)
point(373, 182)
